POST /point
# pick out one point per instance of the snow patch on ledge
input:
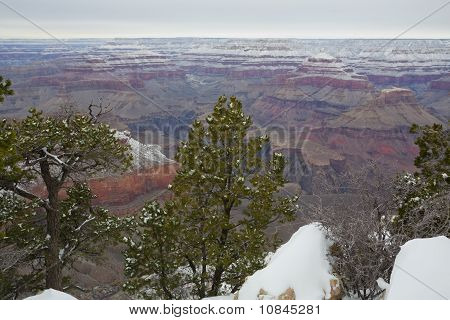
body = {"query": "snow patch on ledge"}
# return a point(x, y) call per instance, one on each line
point(143, 154)
point(51, 294)
point(300, 264)
point(322, 57)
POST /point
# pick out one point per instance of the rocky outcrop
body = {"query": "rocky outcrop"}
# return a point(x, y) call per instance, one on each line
point(126, 193)
point(323, 57)
point(395, 146)
point(323, 70)
point(324, 80)
point(316, 71)
point(441, 84)
point(256, 73)
point(126, 189)
point(76, 83)
point(289, 294)
point(392, 108)
point(378, 130)
point(98, 84)
point(395, 96)
point(162, 74)
point(293, 110)
point(401, 79)
point(336, 290)
point(209, 70)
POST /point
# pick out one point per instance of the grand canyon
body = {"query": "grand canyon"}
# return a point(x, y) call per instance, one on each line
point(338, 102)
point(329, 105)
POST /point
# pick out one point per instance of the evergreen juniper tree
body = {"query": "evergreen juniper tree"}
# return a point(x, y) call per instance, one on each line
point(424, 196)
point(5, 88)
point(58, 153)
point(211, 235)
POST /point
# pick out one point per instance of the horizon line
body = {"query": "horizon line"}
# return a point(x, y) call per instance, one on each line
point(222, 37)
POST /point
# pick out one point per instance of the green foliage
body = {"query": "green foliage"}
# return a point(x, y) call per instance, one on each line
point(434, 153)
point(20, 221)
point(58, 153)
point(21, 243)
point(152, 258)
point(10, 168)
point(8, 155)
point(5, 88)
point(75, 142)
point(423, 196)
point(225, 195)
point(84, 230)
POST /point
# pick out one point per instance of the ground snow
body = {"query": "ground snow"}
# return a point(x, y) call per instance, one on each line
point(51, 294)
point(229, 297)
point(300, 264)
point(421, 271)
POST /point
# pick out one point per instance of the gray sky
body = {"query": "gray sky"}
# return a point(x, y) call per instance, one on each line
point(225, 18)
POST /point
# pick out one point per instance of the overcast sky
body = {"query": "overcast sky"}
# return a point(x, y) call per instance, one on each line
point(225, 18)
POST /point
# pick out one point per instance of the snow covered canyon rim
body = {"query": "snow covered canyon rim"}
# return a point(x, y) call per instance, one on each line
point(328, 105)
point(343, 91)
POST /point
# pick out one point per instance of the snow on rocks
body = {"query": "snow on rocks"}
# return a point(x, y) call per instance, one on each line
point(421, 271)
point(51, 294)
point(322, 57)
point(143, 154)
point(298, 270)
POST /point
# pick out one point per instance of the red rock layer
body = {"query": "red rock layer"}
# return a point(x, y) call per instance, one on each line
point(394, 147)
point(402, 80)
point(165, 74)
point(123, 190)
point(441, 84)
point(321, 81)
point(395, 96)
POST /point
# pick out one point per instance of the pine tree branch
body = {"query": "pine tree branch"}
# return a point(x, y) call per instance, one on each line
point(10, 186)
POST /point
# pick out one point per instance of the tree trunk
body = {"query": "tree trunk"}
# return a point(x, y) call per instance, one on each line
point(216, 281)
point(203, 276)
point(53, 264)
point(219, 268)
point(163, 279)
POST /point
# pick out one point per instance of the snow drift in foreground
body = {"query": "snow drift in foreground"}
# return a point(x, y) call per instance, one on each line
point(421, 271)
point(299, 269)
point(51, 294)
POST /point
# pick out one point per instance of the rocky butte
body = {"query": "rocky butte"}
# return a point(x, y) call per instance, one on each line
point(377, 130)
